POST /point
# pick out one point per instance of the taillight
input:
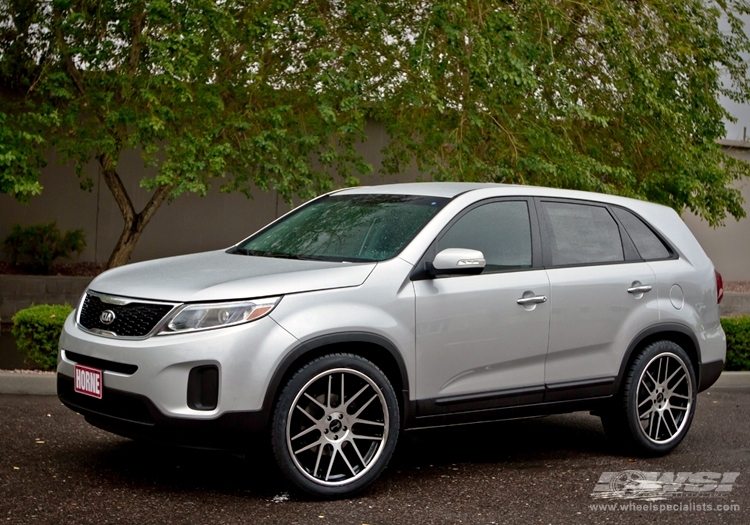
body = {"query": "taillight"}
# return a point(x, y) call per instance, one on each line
point(719, 287)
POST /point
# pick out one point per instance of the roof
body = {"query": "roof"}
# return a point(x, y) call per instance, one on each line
point(452, 189)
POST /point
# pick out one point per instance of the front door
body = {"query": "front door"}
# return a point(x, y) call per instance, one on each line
point(477, 346)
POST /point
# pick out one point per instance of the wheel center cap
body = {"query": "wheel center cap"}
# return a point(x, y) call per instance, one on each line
point(659, 397)
point(335, 425)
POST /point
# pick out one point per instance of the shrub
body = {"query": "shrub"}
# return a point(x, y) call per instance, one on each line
point(37, 332)
point(39, 245)
point(738, 342)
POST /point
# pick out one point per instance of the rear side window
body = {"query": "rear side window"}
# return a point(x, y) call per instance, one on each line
point(500, 230)
point(582, 234)
point(645, 240)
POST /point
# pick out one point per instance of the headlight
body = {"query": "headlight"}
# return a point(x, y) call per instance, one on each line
point(194, 317)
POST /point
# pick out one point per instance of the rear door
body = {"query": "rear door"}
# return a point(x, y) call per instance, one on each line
point(477, 347)
point(602, 294)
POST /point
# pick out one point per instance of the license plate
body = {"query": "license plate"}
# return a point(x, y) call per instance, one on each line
point(88, 381)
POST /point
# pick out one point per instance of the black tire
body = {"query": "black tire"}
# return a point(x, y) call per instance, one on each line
point(652, 412)
point(339, 448)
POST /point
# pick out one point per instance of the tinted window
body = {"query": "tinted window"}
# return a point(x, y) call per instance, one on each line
point(346, 228)
point(646, 241)
point(581, 234)
point(500, 230)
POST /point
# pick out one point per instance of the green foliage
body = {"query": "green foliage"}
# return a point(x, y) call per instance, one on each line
point(37, 331)
point(39, 245)
point(738, 342)
point(609, 95)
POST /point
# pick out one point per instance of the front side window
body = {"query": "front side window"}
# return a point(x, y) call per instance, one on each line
point(500, 230)
point(353, 228)
point(582, 234)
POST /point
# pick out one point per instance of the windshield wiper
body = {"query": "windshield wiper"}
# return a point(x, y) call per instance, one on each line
point(262, 253)
point(304, 257)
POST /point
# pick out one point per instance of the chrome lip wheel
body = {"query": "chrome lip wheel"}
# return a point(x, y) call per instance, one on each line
point(337, 427)
point(664, 398)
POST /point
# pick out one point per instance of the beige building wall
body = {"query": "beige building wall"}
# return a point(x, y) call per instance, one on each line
point(192, 223)
point(188, 224)
point(728, 246)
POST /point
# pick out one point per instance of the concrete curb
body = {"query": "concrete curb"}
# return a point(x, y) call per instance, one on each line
point(31, 383)
point(44, 384)
point(733, 380)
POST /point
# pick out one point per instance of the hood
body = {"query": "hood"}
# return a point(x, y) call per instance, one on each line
point(218, 276)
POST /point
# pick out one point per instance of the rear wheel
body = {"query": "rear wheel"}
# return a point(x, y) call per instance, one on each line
point(335, 425)
point(655, 406)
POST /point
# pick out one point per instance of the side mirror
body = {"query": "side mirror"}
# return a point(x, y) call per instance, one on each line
point(457, 261)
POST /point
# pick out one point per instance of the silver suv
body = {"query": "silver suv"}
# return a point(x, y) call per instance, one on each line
point(374, 310)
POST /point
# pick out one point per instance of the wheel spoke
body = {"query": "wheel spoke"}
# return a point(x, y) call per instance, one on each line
point(351, 400)
point(361, 409)
point(304, 432)
point(666, 382)
point(368, 422)
point(341, 399)
point(650, 392)
point(311, 398)
point(651, 417)
point(317, 461)
point(644, 401)
point(649, 410)
point(679, 395)
point(677, 383)
point(674, 423)
point(308, 447)
point(346, 460)
point(328, 401)
point(359, 454)
point(306, 413)
point(652, 380)
point(330, 465)
point(371, 438)
point(658, 424)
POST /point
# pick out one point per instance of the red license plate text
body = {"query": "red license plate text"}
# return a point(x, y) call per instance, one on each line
point(88, 381)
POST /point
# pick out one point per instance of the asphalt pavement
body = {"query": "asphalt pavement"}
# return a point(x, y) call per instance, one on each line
point(55, 468)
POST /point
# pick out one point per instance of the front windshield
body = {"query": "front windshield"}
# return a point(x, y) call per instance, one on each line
point(346, 228)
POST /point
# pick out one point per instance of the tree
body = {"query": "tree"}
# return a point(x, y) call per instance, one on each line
point(618, 96)
point(611, 96)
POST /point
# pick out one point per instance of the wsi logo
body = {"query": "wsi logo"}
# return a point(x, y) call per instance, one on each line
point(636, 484)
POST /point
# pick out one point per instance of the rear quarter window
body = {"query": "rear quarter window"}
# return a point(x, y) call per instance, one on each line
point(647, 243)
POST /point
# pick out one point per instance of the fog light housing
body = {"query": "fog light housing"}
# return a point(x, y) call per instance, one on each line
point(203, 388)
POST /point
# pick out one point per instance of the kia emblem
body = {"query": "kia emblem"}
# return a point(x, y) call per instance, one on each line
point(107, 317)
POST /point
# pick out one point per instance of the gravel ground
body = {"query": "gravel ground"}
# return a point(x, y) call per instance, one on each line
point(57, 469)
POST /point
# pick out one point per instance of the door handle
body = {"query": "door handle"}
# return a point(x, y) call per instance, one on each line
point(640, 288)
point(535, 299)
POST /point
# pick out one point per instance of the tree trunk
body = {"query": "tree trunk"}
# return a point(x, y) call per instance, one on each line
point(135, 223)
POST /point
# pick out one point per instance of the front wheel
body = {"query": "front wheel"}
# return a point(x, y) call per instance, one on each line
point(335, 425)
point(655, 406)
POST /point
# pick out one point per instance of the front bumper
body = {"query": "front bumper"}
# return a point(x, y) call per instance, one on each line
point(135, 416)
point(145, 382)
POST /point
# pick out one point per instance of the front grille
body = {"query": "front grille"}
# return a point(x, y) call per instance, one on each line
point(133, 319)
